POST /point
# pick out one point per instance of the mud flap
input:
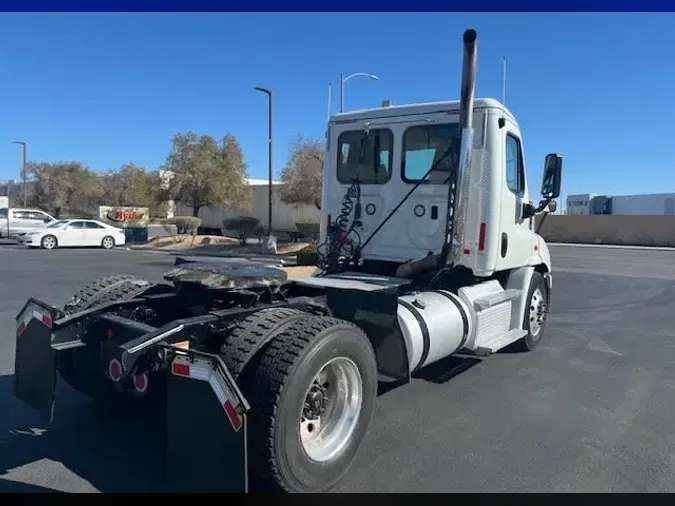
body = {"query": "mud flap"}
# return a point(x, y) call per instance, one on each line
point(35, 360)
point(206, 426)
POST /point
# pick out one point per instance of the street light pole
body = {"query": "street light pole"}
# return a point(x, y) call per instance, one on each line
point(344, 79)
point(270, 164)
point(23, 171)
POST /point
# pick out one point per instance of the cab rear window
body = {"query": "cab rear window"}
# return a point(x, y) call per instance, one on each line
point(366, 156)
point(430, 146)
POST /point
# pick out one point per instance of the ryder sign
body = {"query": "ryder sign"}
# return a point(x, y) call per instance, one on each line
point(125, 217)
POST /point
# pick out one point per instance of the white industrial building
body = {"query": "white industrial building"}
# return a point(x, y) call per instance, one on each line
point(284, 216)
point(579, 204)
point(646, 204)
point(658, 204)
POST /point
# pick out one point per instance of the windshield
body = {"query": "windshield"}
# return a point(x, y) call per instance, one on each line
point(426, 145)
point(3, 213)
point(356, 157)
point(58, 224)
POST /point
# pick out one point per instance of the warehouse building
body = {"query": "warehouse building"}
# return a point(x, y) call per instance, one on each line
point(658, 204)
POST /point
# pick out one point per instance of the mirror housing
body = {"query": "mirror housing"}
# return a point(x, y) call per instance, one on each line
point(47, 220)
point(552, 206)
point(550, 183)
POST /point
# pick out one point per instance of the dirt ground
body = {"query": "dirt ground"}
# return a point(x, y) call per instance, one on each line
point(217, 243)
point(299, 272)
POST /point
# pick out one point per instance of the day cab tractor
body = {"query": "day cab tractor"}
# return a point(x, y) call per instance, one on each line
point(427, 249)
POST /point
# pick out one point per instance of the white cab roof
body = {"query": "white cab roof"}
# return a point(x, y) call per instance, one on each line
point(421, 108)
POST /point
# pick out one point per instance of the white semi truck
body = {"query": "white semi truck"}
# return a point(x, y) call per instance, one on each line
point(427, 249)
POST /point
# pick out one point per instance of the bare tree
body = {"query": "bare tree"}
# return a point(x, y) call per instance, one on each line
point(206, 173)
point(303, 174)
point(65, 187)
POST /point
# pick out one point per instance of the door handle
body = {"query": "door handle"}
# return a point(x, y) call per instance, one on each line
point(505, 244)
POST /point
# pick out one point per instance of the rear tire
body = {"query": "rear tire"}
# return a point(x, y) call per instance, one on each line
point(108, 242)
point(82, 368)
point(295, 387)
point(49, 242)
point(536, 312)
point(252, 333)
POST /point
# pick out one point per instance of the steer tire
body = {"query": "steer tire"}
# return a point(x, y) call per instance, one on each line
point(252, 333)
point(537, 294)
point(81, 367)
point(278, 394)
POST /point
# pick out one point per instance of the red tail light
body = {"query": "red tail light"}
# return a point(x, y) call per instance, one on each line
point(481, 236)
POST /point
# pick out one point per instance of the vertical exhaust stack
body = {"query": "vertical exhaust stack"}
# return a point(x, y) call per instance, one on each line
point(457, 205)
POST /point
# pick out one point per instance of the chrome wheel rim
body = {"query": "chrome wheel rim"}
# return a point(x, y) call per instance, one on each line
point(49, 242)
point(107, 243)
point(331, 409)
point(537, 312)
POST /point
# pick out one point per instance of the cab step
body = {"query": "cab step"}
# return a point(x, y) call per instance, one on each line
point(493, 299)
point(504, 340)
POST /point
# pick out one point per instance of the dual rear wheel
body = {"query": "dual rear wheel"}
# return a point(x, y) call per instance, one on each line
point(312, 387)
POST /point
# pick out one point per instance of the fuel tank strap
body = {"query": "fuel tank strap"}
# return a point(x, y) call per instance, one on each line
point(426, 342)
point(465, 319)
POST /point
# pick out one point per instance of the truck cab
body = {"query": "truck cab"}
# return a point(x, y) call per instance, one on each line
point(387, 152)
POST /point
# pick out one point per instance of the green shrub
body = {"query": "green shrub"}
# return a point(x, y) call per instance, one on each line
point(244, 226)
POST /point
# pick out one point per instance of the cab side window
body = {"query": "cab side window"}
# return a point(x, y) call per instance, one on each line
point(515, 172)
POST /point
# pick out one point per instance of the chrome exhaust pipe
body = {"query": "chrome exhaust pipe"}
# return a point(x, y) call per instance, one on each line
point(468, 90)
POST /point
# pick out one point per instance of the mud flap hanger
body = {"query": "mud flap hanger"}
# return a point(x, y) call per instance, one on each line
point(206, 425)
point(35, 359)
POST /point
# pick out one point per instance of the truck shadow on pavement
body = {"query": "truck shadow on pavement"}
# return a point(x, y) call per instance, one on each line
point(106, 448)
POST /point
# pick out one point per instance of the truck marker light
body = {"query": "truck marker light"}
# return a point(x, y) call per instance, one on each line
point(536, 247)
point(481, 236)
point(32, 314)
point(115, 370)
point(232, 414)
point(47, 320)
point(141, 382)
point(181, 369)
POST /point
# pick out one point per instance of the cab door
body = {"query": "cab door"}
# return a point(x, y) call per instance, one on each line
point(516, 238)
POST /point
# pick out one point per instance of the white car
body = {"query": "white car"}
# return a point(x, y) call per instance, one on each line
point(65, 233)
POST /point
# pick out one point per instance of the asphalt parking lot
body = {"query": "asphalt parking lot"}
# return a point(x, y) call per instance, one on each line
point(591, 410)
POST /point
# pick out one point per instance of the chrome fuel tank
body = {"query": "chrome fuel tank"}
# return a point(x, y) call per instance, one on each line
point(434, 324)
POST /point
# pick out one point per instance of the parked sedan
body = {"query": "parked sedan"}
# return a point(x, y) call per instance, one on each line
point(68, 233)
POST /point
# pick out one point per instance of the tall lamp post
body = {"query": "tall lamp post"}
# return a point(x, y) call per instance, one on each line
point(23, 171)
point(344, 79)
point(270, 100)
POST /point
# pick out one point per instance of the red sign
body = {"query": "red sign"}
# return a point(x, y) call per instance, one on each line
point(122, 216)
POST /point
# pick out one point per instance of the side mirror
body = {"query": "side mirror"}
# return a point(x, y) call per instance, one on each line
point(47, 220)
point(550, 184)
point(552, 206)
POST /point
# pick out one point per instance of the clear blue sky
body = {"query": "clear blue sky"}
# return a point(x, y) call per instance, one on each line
point(111, 89)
